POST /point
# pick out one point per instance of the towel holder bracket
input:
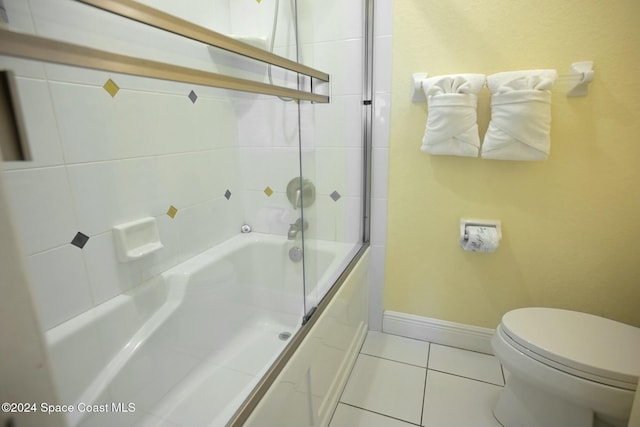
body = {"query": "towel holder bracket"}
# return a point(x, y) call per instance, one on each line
point(579, 77)
point(584, 70)
point(418, 95)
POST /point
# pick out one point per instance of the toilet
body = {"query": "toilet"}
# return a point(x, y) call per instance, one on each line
point(566, 368)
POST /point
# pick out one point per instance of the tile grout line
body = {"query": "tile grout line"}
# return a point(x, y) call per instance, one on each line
point(424, 389)
point(438, 370)
point(427, 369)
point(464, 349)
point(394, 360)
point(466, 378)
point(435, 343)
point(381, 414)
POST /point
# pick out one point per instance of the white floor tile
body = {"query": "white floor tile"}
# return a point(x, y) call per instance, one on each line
point(393, 347)
point(470, 364)
point(387, 387)
point(452, 401)
point(348, 416)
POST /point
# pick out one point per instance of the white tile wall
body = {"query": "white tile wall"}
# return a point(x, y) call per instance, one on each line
point(41, 199)
point(207, 13)
point(332, 39)
point(339, 123)
point(113, 192)
point(343, 60)
point(75, 22)
point(343, 167)
point(19, 16)
point(85, 113)
point(252, 18)
point(40, 123)
point(197, 227)
point(376, 289)
point(273, 167)
point(101, 160)
point(107, 276)
point(348, 219)
point(383, 16)
point(331, 20)
point(60, 284)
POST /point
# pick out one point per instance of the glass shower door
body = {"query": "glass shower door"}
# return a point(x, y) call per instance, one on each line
point(332, 152)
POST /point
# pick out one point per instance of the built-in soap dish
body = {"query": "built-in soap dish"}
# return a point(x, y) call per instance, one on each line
point(137, 239)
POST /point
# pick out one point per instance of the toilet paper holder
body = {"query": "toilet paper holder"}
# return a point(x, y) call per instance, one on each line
point(467, 222)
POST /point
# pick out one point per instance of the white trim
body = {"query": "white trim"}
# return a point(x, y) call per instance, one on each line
point(438, 331)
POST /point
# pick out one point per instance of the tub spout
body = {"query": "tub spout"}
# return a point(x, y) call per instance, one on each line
point(296, 227)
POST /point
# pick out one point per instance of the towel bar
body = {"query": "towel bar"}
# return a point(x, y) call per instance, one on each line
point(578, 78)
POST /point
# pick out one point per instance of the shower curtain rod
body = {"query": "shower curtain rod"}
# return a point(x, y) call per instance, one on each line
point(42, 49)
point(164, 21)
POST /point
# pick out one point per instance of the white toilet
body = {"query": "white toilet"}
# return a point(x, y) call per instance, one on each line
point(567, 368)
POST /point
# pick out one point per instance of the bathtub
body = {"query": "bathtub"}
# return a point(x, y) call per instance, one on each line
point(189, 345)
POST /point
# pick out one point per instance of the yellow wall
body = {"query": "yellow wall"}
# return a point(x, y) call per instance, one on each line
point(571, 224)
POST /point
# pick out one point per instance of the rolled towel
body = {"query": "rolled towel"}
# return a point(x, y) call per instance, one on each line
point(452, 127)
point(520, 115)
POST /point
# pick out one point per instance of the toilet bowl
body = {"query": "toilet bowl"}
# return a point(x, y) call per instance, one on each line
point(567, 369)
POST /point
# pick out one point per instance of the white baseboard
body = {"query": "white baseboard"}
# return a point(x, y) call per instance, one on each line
point(437, 331)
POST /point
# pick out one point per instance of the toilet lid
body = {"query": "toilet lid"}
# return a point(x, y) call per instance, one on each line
point(581, 341)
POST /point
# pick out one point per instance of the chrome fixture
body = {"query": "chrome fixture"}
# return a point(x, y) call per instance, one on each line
point(246, 228)
point(296, 227)
point(295, 254)
point(301, 192)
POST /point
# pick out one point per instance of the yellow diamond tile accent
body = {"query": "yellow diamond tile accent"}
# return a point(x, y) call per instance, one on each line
point(111, 87)
point(268, 191)
point(258, 1)
point(172, 211)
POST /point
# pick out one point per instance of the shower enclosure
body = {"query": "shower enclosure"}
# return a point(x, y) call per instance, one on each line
point(177, 235)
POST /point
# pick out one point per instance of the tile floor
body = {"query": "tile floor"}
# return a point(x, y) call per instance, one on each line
point(402, 382)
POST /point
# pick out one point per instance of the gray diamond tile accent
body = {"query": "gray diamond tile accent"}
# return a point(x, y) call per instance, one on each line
point(193, 97)
point(335, 196)
point(79, 240)
point(227, 194)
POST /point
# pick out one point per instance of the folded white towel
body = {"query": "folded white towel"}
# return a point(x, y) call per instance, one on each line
point(520, 115)
point(452, 127)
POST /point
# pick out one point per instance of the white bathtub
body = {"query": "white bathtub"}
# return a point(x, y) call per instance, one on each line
point(190, 344)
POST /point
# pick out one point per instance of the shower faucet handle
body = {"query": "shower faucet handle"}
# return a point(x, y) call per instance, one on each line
point(301, 193)
point(300, 224)
point(296, 227)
